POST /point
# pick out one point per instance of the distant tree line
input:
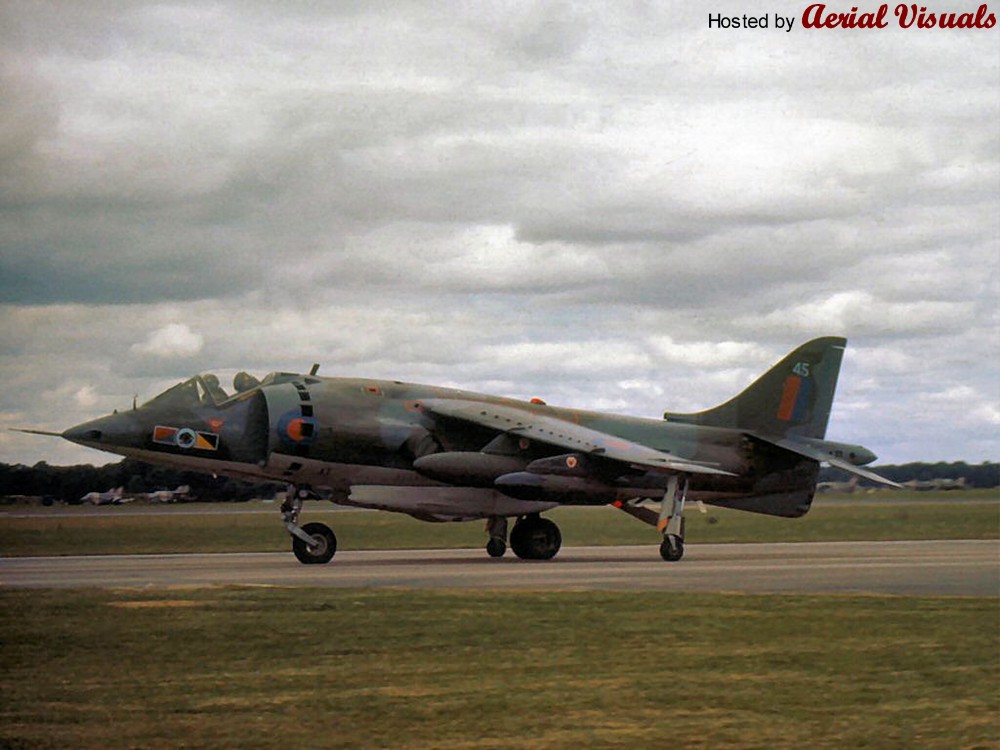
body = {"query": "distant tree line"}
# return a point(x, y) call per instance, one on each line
point(70, 483)
point(984, 475)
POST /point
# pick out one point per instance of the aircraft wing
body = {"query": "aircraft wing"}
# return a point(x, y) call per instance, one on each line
point(564, 434)
point(790, 444)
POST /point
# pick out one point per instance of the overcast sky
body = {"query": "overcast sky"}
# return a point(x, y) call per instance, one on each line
point(608, 206)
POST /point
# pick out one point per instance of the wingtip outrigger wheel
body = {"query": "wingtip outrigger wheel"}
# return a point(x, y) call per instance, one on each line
point(672, 548)
point(314, 543)
point(671, 523)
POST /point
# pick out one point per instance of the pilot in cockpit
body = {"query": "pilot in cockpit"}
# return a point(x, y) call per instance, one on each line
point(213, 389)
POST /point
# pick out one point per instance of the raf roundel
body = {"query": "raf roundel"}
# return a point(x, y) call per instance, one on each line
point(186, 438)
point(295, 429)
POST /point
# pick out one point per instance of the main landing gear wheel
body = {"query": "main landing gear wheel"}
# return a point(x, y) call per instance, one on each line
point(496, 548)
point(322, 550)
point(535, 538)
point(496, 527)
point(672, 548)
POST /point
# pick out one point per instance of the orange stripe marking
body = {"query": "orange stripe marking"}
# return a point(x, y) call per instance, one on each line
point(788, 397)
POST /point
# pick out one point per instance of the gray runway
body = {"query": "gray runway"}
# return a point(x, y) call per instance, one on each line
point(951, 568)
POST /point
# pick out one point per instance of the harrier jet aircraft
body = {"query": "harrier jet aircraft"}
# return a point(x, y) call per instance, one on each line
point(111, 497)
point(440, 454)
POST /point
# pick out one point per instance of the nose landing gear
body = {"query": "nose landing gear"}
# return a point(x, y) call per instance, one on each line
point(314, 543)
point(323, 546)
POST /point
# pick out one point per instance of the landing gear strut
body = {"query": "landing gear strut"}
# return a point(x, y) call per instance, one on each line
point(496, 527)
point(314, 543)
point(671, 522)
point(535, 538)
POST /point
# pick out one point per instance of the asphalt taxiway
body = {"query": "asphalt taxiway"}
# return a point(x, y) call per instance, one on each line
point(932, 568)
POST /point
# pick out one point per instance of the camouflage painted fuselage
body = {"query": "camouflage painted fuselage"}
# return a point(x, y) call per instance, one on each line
point(333, 434)
point(441, 453)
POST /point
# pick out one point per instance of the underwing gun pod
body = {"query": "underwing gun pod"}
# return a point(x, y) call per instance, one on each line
point(441, 454)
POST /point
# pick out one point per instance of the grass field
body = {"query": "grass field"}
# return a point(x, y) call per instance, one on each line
point(137, 529)
point(336, 668)
point(281, 668)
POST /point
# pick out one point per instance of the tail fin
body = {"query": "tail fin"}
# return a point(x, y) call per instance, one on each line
point(792, 398)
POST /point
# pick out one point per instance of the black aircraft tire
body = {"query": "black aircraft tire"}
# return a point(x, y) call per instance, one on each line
point(670, 553)
point(496, 547)
point(535, 539)
point(518, 540)
point(317, 555)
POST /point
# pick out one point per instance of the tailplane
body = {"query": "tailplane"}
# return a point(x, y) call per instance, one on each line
point(791, 399)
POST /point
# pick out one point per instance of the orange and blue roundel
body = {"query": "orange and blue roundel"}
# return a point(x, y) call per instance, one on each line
point(794, 404)
point(295, 429)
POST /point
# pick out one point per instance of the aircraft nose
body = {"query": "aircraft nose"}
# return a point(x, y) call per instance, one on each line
point(105, 432)
point(83, 433)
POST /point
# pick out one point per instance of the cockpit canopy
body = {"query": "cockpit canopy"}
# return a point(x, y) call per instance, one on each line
point(204, 389)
